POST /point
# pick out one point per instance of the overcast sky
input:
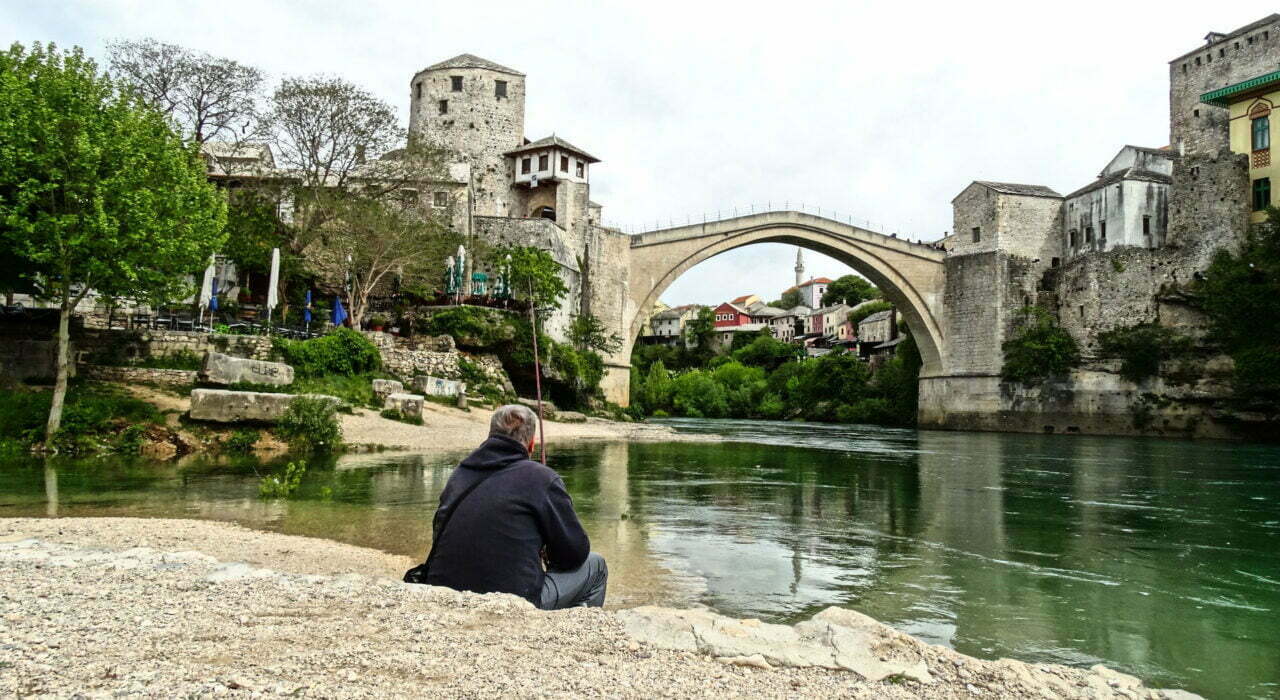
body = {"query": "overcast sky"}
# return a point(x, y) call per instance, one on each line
point(882, 113)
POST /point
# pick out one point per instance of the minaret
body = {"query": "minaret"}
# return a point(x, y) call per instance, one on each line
point(799, 266)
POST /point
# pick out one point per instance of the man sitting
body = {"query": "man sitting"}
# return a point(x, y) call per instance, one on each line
point(502, 515)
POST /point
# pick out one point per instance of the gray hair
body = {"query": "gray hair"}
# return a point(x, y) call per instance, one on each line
point(515, 421)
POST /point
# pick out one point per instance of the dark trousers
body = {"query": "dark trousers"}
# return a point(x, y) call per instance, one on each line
point(582, 587)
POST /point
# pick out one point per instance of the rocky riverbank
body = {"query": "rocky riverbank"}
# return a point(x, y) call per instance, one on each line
point(121, 606)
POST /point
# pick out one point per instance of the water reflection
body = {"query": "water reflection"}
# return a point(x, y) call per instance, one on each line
point(1153, 556)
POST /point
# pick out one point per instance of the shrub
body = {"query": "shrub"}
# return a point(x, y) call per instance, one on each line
point(1142, 348)
point(242, 441)
point(393, 414)
point(473, 327)
point(311, 424)
point(1039, 349)
point(697, 395)
point(282, 485)
point(344, 351)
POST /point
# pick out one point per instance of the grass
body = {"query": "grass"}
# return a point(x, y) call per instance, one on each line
point(95, 418)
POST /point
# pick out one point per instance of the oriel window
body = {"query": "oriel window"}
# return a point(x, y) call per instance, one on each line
point(1262, 133)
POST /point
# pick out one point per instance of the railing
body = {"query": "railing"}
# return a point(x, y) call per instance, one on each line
point(758, 208)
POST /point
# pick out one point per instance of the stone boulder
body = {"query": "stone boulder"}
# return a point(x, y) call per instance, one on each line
point(409, 405)
point(835, 638)
point(223, 406)
point(569, 417)
point(435, 386)
point(226, 370)
point(549, 411)
point(382, 388)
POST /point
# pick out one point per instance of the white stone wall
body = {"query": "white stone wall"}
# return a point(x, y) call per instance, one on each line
point(1121, 208)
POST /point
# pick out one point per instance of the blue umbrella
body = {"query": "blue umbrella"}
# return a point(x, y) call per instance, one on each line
point(339, 313)
point(213, 295)
point(306, 313)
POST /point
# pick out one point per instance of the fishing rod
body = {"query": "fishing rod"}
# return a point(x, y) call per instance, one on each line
point(537, 372)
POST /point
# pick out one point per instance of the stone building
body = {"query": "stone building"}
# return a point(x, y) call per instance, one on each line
point(1250, 104)
point(1128, 205)
point(1225, 58)
point(515, 191)
point(1017, 219)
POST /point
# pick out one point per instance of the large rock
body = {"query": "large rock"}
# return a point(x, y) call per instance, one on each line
point(435, 386)
point(835, 638)
point(223, 406)
point(382, 388)
point(570, 417)
point(548, 409)
point(409, 405)
point(218, 368)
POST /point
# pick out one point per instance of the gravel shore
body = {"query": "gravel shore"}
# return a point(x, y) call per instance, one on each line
point(450, 429)
point(106, 606)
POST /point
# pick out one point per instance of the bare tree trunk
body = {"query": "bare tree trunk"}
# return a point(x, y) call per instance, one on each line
point(60, 383)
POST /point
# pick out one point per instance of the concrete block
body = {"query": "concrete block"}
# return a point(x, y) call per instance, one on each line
point(382, 388)
point(218, 368)
point(435, 386)
point(223, 406)
point(409, 405)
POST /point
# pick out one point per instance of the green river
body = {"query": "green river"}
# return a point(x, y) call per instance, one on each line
point(1160, 558)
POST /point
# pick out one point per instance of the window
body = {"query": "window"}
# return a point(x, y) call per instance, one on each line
point(499, 89)
point(547, 213)
point(1261, 193)
point(1088, 234)
point(440, 199)
point(1237, 46)
point(444, 106)
point(1208, 58)
point(417, 90)
point(409, 196)
point(1222, 53)
point(1197, 60)
point(977, 234)
point(544, 162)
point(455, 83)
point(1102, 232)
point(1262, 133)
point(1146, 226)
point(525, 165)
point(582, 169)
point(1074, 237)
point(1184, 68)
point(1195, 112)
point(564, 164)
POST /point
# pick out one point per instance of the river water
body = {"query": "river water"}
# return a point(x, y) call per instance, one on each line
point(1160, 558)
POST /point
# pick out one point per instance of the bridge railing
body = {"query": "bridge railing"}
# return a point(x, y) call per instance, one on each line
point(761, 208)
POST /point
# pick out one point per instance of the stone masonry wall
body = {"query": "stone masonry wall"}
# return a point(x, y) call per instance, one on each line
point(982, 297)
point(437, 356)
point(131, 375)
point(1209, 205)
point(1248, 52)
point(975, 207)
point(125, 345)
point(564, 247)
point(1028, 226)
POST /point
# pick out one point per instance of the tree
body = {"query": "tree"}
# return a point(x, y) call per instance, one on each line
point(535, 275)
point(207, 97)
point(587, 333)
point(1039, 349)
point(850, 290)
point(376, 239)
point(96, 191)
point(790, 300)
point(700, 330)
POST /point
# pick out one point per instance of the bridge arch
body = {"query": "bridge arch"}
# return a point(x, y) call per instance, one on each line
point(909, 274)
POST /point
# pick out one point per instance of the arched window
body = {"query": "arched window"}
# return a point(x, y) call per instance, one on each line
point(547, 213)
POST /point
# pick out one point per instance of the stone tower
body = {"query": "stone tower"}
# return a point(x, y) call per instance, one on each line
point(475, 109)
point(799, 266)
point(1224, 59)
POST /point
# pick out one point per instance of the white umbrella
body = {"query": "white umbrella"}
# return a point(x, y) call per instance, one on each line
point(206, 288)
point(272, 297)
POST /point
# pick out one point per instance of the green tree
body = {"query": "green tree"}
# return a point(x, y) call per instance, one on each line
point(656, 393)
point(587, 332)
point(851, 290)
point(1239, 293)
point(1039, 349)
point(866, 310)
point(96, 191)
point(700, 330)
point(767, 352)
point(790, 300)
point(534, 275)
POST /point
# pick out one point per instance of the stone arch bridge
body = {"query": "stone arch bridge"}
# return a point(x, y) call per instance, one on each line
point(910, 274)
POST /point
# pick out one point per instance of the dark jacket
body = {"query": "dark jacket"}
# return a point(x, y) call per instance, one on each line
point(493, 541)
